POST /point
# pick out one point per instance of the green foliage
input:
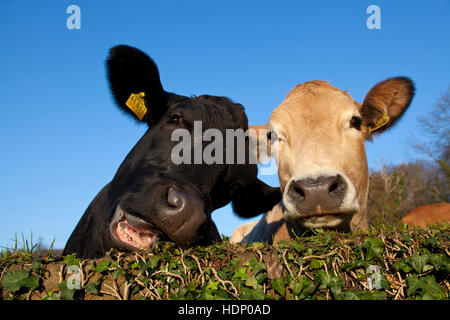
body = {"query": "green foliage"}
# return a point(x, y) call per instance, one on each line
point(373, 247)
point(66, 292)
point(425, 288)
point(15, 279)
point(410, 264)
point(71, 260)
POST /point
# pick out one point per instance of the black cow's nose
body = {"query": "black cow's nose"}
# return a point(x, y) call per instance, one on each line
point(327, 192)
point(183, 218)
point(175, 198)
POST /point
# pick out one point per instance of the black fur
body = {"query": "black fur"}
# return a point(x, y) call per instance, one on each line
point(141, 181)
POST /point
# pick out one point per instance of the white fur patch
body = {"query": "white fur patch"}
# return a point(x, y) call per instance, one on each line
point(329, 221)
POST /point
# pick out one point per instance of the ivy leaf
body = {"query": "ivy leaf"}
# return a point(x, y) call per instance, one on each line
point(279, 285)
point(298, 246)
point(375, 295)
point(241, 273)
point(296, 286)
point(356, 264)
point(71, 260)
point(256, 266)
point(402, 265)
point(66, 293)
point(252, 294)
point(321, 279)
point(308, 287)
point(316, 264)
point(418, 262)
point(440, 262)
point(36, 265)
point(102, 267)
point(329, 281)
point(347, 295)
point(424, 288)
point(374, 247)
point(335, 284)
point(212, 285)
point(15, 279)
point(91, 288)
point(251, 282)
point(414, 284)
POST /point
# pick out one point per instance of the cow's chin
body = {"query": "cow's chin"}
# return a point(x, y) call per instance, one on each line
point(132, 232)
point(336, 221)
point(324, 221)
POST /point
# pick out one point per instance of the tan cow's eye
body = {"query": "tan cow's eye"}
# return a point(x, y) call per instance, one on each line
point(356, 122)
point(272, 136)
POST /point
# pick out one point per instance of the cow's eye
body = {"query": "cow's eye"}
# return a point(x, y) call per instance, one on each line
point(356, 122)
point(176, 119)
point(273, 136)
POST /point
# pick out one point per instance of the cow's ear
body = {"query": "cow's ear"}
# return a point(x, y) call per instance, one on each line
point(135, 85)
point(385, 103)
point(256, 198)
point(259, 142)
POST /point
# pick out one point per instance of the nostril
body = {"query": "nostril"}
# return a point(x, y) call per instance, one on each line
point(299, 190)
point(336, 186)
point(333, 186)
point(174, 198)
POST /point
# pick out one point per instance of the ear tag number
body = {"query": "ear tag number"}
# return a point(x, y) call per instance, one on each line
point(136, 103)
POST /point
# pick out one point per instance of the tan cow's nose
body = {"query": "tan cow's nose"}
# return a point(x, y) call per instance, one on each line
point(318, 196)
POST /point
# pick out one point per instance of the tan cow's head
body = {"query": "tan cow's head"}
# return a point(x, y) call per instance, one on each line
point(317, 137)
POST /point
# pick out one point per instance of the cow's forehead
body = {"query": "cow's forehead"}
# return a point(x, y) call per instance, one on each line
point(214, 111)
point(311, 101)
point(212, 102)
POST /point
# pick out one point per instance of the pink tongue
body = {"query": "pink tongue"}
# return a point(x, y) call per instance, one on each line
point(133, 236)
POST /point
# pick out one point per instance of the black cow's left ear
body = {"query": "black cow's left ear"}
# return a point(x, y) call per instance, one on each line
point(135, 84)
point(385, 103)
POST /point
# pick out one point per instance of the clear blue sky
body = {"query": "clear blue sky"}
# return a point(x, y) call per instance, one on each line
point(62, 139)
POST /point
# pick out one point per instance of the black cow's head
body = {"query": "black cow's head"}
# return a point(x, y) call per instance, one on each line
point(151, 197)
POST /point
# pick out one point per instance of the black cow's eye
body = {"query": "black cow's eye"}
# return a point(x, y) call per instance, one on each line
point(356, 122)
point(176, 119)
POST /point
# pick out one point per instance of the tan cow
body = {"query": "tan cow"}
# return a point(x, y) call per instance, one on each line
point(428, 214)
point(317, 136)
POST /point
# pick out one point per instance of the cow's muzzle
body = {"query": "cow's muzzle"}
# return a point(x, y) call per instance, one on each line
point(180, 217)
point(321, 201)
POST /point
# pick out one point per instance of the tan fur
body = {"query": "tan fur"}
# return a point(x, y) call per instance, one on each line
point(428, 214)
point(271, 227)
point(312, 132)
point(259, 135)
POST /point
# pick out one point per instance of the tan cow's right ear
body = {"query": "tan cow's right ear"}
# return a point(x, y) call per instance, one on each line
point(259, 142)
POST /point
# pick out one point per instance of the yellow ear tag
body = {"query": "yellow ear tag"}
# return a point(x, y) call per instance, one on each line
point(381, 122)
point(136, 103)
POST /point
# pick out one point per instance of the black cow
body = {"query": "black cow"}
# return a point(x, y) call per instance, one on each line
point(150, 198)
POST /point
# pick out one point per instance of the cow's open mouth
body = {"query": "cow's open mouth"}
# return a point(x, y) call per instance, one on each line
point(133, 231)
